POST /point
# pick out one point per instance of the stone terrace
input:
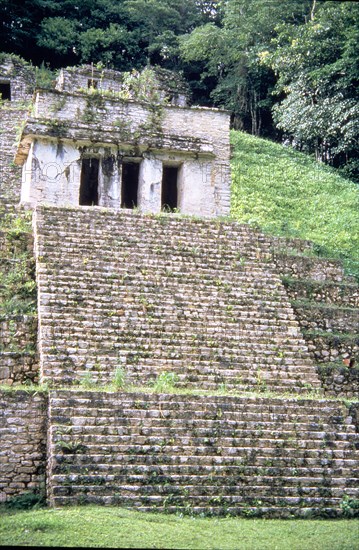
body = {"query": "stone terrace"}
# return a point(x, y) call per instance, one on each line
point(217, 455)
point(151, 294)
point(325, 301)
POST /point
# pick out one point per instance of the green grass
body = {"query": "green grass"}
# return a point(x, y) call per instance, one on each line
point(310, 393)
point(288, 193)
point(106, 527)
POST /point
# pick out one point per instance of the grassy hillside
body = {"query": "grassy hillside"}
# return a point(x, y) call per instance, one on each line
point(288, 193)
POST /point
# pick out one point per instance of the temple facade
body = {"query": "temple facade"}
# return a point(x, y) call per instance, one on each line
point(96, 140)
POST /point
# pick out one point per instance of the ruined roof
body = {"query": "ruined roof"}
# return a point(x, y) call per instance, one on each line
point(171, 85)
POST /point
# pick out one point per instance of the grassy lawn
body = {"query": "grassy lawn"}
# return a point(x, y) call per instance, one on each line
point(94, 526)
point(286, 192)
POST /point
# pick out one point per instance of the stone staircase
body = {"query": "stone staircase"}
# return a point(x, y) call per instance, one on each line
point(148, 294)
point(208, 301)
point(217, 455)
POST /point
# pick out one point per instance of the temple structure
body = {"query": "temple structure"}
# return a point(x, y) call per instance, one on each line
point(99, 140)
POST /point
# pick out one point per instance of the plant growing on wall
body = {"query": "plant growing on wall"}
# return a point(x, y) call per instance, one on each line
point(140, 86)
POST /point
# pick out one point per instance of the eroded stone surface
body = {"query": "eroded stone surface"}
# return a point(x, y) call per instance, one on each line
point(23, 426)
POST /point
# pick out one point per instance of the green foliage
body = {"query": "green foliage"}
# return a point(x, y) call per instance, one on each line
point(234, 53)
point(17, 270)
point(350, 507)
point(165, 381)
point(136, 85)
point(26, 501)
point(119, 378)
point(288, 193)
point(16, 226)
point(58, 33)
point(230, 55)
point(141, 86)
point(122, 34)
point(44, 77)
point(87, 381)
point(317, 68)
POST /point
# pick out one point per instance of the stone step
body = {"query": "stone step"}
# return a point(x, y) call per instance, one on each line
point(84, 312)
point(182, 443)
point(313, 316)
point(176, 238)
point(210, 330)
point(110, 435)
point(299, 509)
point(180, 225)
point(149, 315)
point(203, 493)
point(203, 450)
point(129, 494)
point(309, 267)
point(313, 476)
point(147, 428)
point(283, 407)
point(341, 294)
point(314, 460)
point(251, 505)
point(239, 383)
point(247, 292)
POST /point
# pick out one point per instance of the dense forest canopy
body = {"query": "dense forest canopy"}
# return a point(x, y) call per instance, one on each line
point(286, 69)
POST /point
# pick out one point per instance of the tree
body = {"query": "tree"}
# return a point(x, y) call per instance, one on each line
point(318, 70)
point(229, 54)
point(122, 34)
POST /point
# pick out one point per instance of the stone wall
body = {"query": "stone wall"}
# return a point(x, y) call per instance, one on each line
point(314, 316)
point(339, 381)
point(329, 347)
point(309, 267)
point(18, 355)
point(11, 119)
point(20, 75)
point(328, 292)
point(23, 426)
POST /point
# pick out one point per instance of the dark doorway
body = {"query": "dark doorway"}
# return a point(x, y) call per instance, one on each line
point(5, 90)
point(169, 188)
point(89, 182)
point(129, 186)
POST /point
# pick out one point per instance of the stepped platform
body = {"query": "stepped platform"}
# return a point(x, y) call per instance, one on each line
point(140, 295)
point(148, 294)
point(251, 456)
point(326, 304)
